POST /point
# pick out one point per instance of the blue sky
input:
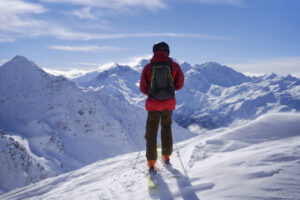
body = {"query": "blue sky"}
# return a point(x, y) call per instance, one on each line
point(249, 35)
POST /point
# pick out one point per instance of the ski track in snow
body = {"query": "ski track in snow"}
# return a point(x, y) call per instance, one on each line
point(264, 168)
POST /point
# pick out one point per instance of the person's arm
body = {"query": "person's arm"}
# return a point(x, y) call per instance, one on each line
point(179, 77)
point(143, 82)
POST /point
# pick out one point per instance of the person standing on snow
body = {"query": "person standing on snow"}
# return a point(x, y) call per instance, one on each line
point(159, 80)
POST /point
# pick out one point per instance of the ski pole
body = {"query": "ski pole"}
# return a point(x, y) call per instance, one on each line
point(179, 157)
point(137, 159)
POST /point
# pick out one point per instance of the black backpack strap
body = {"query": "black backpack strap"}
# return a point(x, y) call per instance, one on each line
point(169, 63)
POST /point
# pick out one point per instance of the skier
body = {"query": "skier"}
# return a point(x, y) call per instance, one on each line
point(159, 80)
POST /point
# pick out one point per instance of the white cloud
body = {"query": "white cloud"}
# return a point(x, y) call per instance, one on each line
point(16, 15)
point(90, 48)
point(84, 13)
point(252, 74)
point(18, 19)
point(115, 4)
point(230, 2)
point(279, 65)
point(6, 38)
point(68, 73)
point(20, 7)
point(65, 34)
point(132, 61)
point(3, 61)
point(297, 75)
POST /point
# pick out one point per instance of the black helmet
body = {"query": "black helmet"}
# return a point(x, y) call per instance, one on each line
point(161, 46)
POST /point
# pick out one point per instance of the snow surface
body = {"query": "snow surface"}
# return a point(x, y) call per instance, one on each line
point(258, 160)
point(19, 166)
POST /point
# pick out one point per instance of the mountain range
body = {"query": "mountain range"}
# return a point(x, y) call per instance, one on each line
point(55, 124)
point(213, 95)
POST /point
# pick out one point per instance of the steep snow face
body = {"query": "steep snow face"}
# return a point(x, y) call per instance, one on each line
point(211, 73)
point(258, 160)
point(69, 127)
point(118, 81)
point(213, 96)
point(19, 167)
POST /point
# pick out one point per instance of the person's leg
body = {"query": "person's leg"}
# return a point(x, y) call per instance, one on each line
point(151, 135)
point(166, 134)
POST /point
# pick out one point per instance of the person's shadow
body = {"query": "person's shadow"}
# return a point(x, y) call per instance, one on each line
point(161, 191)
point(187, 191)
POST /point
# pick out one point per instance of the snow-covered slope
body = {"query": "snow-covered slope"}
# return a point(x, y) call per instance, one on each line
point(63, 124)
point(259, 160)
point(19, 166)
point(213, 96)
point(118, 81)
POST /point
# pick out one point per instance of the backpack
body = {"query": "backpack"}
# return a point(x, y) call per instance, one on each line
point(161, 86)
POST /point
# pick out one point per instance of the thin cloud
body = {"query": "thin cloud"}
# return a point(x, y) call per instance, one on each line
point(4, 38)
point(84, 13)
point(67, 72)
point(3, 61)
point(133, 61)
point(90, 48)
point(88, 64)
point(297, 75)
point(228, 2)
point(116, 5)
point(19, 19)
point(66, 34)
point(15, 15)
point(281, 65)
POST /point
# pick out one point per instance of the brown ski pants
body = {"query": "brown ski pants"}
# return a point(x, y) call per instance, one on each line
point(154, 117)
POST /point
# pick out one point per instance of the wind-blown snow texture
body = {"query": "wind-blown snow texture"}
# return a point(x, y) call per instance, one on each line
point(258, 160)
point(64, 125)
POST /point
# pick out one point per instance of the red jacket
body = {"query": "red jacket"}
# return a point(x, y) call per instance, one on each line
point(178, 77)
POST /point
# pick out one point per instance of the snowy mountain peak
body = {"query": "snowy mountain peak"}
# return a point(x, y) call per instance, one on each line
point(291, 78)
point(185, 66)
point(270, 76)
point(20, 62)
point(20, 67)
point(212, 64)
point(25, 77)
point(19, 58)
point(116, 69)
point(215, 67)
point(209, 73)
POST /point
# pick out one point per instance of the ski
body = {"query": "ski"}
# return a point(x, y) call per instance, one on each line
point(153, 185)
